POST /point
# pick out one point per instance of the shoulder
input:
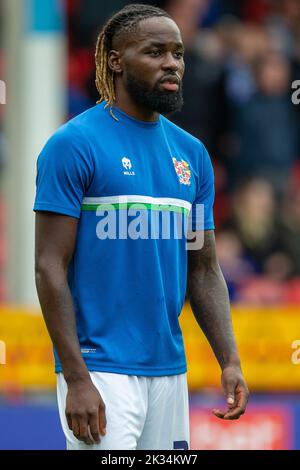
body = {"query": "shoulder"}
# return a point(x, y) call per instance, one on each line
point(70, 146)
point(79, 127)
point(75, 134)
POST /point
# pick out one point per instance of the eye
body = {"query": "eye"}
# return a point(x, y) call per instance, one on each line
point(178, 55)
point(155, 53)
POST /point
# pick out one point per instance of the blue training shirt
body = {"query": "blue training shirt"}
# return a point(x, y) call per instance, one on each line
point(132, 185)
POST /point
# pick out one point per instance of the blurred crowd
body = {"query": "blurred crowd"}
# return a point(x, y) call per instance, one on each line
point(241, 59)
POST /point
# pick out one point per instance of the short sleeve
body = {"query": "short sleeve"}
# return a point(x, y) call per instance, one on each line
point(64, 172)
point(202, 208)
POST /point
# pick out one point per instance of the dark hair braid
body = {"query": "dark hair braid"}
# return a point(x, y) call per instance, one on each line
point(123, 21)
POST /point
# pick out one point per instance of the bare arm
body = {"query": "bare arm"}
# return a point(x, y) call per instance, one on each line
point(209, 300)
point(55, 242)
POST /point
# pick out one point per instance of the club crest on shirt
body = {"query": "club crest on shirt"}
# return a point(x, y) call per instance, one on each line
point(183, 171)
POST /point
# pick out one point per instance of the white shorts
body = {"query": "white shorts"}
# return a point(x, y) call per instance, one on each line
point(148, 413)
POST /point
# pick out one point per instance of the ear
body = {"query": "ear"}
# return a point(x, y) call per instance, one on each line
point(114, 61)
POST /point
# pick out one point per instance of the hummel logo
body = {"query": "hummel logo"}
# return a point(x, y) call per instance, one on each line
point(127, 165)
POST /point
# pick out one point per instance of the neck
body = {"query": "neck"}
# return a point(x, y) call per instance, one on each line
point(128, 106)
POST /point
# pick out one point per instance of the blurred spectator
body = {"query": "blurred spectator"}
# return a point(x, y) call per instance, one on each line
point(284, 25)
point(262, 291)
point(88, 16)
point(266, 126)
point(254, 221)
point(244, 43)
point(290, 227)
point(241, 57)
point(203, 113)
point(236, 268)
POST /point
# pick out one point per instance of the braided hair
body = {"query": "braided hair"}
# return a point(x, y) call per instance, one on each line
point(124, 21)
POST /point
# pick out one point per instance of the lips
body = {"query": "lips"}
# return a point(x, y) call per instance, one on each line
point(170, 83)
point(170, 86)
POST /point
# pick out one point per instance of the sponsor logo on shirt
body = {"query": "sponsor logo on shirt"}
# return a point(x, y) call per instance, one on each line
point(183, 171)
point(126, 162)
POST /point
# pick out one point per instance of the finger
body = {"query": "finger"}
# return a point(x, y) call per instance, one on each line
point(219, 414)
point(229, 389)
point(84, 435)
point(69, 421)
point(242, 398)
point(75, 428)
point(102, 421)
point(234, 413)
point(230, 400)
point(94, 427)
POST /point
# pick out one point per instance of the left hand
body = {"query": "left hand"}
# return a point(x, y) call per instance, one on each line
point(236, 392)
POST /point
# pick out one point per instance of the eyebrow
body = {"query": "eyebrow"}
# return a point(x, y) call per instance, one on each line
point(179, 45)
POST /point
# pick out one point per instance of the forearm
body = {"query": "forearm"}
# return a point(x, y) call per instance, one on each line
point(58, 311)
point(208, 295)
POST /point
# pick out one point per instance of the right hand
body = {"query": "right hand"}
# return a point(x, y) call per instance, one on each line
point(85, 412)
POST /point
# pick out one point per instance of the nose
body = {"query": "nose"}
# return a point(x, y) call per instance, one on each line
point(170, 63)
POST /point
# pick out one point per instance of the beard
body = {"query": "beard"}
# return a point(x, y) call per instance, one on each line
point(154, 99)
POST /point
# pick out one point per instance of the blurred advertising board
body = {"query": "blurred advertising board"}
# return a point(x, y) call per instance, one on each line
point(261, 428)
point(270, 423)
point(29, 362)
point(268, 343)
point(265, 337)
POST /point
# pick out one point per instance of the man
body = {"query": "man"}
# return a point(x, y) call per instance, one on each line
point(111, 297)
